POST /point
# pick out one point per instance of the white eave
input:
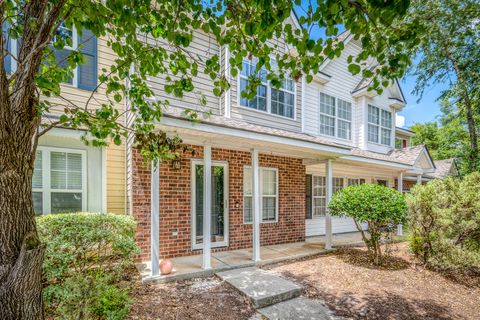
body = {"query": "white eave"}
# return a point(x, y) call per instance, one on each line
point(364, 92)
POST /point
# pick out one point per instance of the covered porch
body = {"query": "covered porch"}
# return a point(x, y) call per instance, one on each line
point(191, 266)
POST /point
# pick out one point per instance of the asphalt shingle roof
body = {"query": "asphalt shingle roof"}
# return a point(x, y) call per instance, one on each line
point(443, 168)
point(406, 156)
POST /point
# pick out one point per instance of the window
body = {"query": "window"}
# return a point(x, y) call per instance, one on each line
point(268, 191)
point(58, 183)
point(279, 101)
point(401, 143)
point(338, 184)
point(379, 125)
point(355, 181)
point(335, 117)
point(258, 102)
point(319, 196)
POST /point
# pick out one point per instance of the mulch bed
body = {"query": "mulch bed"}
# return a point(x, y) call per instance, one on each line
point(204, 299)
point(353, 287)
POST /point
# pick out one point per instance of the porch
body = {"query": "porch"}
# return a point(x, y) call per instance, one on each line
point(191, 266)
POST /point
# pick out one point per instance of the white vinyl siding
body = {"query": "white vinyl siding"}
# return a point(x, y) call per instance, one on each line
point(379, 126)
point(59, 181)
point(335, 117)
point(280, 102)
point(268, 191)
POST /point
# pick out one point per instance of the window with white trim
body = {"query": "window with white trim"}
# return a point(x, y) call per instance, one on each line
point(59, 181)
point(319, 196)
point(379, 125)
point(355, 181)
point(279, 101)
point(338, 184)
point(335, 117)
point(268, 191)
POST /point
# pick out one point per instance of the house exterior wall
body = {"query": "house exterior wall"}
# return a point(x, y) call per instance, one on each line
point(175, 203)
point(115, 165)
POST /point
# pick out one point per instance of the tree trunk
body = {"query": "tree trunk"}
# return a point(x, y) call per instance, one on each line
point(21, 253)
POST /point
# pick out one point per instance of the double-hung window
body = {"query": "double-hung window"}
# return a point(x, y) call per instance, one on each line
point(335, 117)
point(355, 181)
point(279, 101)
point(379, 125)
point(319, 196)
point(59, 181)
point(268, 194)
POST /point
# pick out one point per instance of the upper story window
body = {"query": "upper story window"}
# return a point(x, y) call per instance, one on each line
point(335, 117)
point(379, 126)
point(85, 75)
point(59, 181)
point(279, 101)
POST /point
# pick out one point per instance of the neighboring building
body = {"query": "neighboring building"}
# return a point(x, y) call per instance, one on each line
point(70, 176)
point(402, 138)
point(304, 141)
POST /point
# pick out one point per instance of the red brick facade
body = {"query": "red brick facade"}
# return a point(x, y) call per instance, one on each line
point(175, 207)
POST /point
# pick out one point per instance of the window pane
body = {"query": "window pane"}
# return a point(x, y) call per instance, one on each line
point(344, 110)
point(282, 103)
point(373, 114)
point(319, 186)
point(247, 181)
point(353, 182)
point(319, 207)
point(66, 202)
point(344, 129)
point(74, 171)
point(337, 184)
point(386, 134)
point(247, 209)
point(386, 119)
point(269, 187)
point(37, 180)
point(373, 133)
point(327, 104)
point(37, 202)
point(268, 208)
point(66, 170)
point(327, 125)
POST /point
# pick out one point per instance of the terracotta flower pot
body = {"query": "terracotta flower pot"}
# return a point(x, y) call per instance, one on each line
point(166, 266)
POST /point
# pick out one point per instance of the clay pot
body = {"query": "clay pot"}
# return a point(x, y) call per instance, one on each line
point(166, 266)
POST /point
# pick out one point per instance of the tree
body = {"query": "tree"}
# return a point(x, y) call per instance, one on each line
point(448, 53)
point(244, 26)
point(382, 208)
point(446, 138)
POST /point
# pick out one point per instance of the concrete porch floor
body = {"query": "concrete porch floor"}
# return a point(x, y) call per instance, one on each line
point(191, 266)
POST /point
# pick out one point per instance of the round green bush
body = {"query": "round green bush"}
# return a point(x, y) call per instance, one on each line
point(380, 207)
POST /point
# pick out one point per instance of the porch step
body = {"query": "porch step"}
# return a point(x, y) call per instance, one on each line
point(296, 309)
point(262, 288)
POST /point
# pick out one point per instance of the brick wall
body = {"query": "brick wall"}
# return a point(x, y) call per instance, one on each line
point(175, 210)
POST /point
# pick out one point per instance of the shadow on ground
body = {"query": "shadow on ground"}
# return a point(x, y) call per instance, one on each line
point(360, 258)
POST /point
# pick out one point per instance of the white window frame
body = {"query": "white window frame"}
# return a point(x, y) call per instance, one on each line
point(269, 96)
point(261, 170)
point(379, 126)
point(46, 173)
point(335, 117)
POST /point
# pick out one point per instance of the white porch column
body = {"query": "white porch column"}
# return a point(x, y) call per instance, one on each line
point(400, 189)
point(207, 206)
point(329, 190)
point(255, 206)
point(155, 218)
point(419, 179)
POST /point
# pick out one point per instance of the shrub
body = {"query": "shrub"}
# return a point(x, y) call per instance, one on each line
point(444, 220)
point(86, 258)
point(380, 207)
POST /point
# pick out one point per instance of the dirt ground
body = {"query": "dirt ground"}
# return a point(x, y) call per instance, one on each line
point(401, 289)
point(204, 299)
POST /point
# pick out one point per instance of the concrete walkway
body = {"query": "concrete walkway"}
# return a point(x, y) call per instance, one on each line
point(191, 266)
point(274, 297)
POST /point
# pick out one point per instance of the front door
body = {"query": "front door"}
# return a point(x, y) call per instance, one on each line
point(219, 192)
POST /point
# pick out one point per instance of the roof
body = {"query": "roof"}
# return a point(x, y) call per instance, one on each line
point(174, 112)
point(443, 168)
point(406, 156)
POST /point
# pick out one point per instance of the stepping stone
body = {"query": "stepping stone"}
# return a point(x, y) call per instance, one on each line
point(261, 287)
point(297, 309)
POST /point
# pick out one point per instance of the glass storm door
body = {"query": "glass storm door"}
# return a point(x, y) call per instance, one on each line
point(219, 222)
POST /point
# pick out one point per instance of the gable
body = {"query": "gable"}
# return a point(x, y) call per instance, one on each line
point(424, 161)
